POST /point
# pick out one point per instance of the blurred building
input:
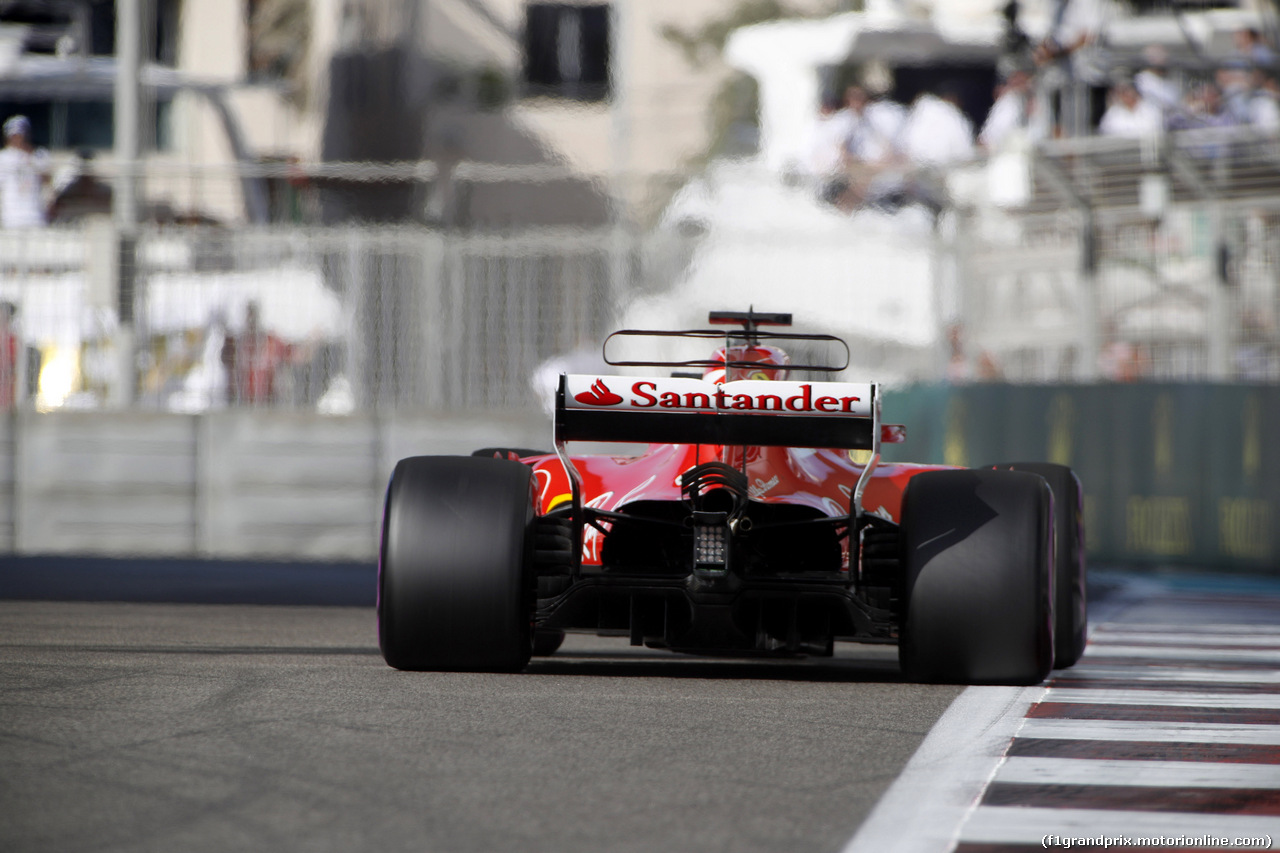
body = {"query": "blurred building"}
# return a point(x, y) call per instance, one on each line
point(554, 162)
point(599, 91)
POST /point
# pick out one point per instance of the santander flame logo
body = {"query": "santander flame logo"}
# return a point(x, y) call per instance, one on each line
point(599, 395)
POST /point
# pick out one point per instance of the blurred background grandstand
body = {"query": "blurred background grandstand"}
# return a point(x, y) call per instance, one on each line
point(407, 210)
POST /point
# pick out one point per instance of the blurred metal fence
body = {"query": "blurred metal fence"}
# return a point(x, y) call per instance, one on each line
point(1122, 260)
point(1129, 260)
point(343, 319)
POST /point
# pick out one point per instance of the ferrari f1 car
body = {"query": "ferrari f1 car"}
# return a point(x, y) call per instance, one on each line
point(759, 520)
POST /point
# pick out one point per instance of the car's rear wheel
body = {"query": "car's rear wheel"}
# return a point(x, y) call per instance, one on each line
point(454, 575)
point(978, 573)
point(1070, 600)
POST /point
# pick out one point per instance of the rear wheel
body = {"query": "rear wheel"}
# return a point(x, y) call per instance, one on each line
point(454, 575)
point(977, 585)
point(1070, 602)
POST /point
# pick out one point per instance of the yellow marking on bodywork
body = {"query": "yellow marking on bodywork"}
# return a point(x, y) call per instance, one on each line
point(559, 499)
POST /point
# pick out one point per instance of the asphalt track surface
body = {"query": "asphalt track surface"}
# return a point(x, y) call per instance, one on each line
point(146, 725)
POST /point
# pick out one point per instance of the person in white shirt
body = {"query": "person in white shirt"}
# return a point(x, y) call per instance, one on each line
point(1264, 108)
point(1129, 116)
point(824, 147)
point(823, 162)
point(23, 174)
point(937, 132)
point(1154, 83)
point(1016, 109)
point(873, 128)
point(1074, 26)
point(1069, 56)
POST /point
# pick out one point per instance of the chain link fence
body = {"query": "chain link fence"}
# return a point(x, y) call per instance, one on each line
point(336, 320)
point(1129, 260)
point(328, 319)
point(1123, 260)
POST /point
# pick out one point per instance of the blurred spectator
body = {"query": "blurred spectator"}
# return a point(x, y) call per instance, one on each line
point(1210, 108)
point(824, 150)
point(937, 132)
point(957, 365)
point(1076, 24)
point(1264, 107)
point(24, 171)
point(252, 359)
point(1204, 107)
point(1065, 57)
point(1253, 48)
point(1120, 360)
point(871, 146)
point(84, 195)
point(1254, 355)
point(1016, 110)
point(988, 369)
point(1128, 115)
point(874, 126)
point(1154, 83)
point(959, 370)
point(8, 356)
point(1235, 91)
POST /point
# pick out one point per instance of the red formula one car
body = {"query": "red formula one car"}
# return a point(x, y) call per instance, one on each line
point(759, 520)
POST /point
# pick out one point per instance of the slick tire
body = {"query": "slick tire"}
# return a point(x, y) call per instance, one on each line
point(455, 585)
point(978, 578)
point(1070, 600)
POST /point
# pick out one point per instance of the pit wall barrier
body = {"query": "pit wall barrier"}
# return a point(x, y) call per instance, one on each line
point(226, 485)
point(1173, 474)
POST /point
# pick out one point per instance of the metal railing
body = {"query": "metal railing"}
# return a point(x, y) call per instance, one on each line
point(1151, 259)
point(1155, 260)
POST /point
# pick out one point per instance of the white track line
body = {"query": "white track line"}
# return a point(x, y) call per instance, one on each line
point(1182, 698)
point(949, 772)
point(1131, 674)
point(1270, 641)
point(1126, 730)
point(1163, 774)
point(1188, 653)
point(965, 750)
point(1108, 630)
point(1019, 824)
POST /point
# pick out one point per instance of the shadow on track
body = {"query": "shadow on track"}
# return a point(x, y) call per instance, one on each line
point(842, 668)
point(283, 651)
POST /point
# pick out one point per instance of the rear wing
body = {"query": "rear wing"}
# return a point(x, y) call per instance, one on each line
point(678, 410)
point(675, 410)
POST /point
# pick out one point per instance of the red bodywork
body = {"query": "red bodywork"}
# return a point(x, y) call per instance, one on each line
point(739, 538)
point(821, 479)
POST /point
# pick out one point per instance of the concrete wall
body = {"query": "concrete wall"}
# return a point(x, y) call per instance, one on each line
point(223, 485)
